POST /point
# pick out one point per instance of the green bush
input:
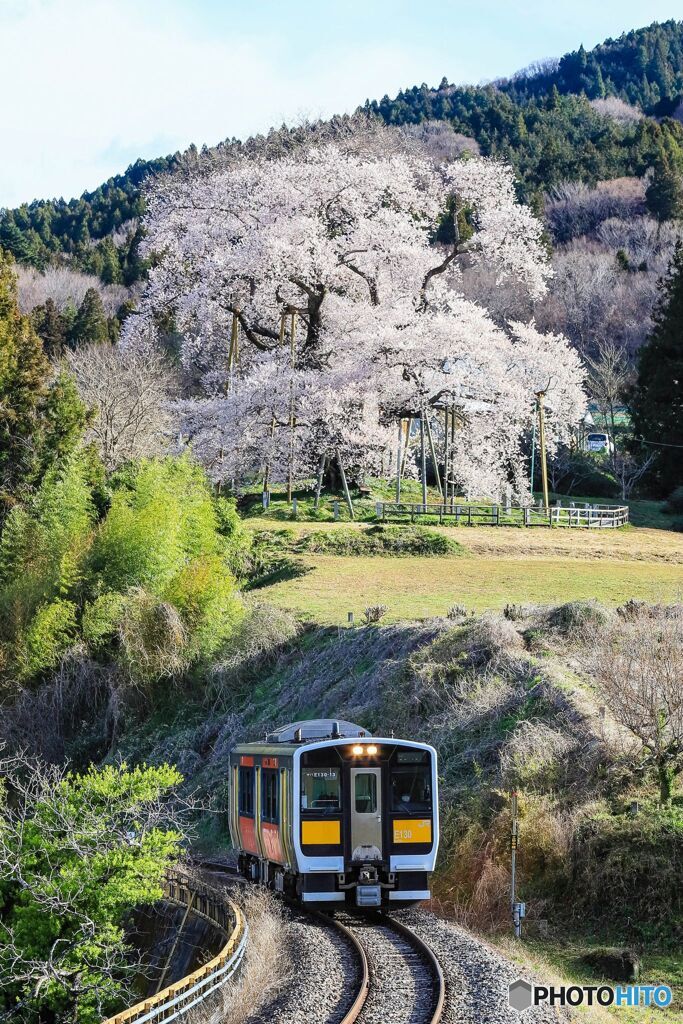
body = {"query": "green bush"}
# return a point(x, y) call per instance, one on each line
point(47, 638)
point(380, 540)
point(634, 860)
point(576, 617)
point(674, 502)
point(150, 586)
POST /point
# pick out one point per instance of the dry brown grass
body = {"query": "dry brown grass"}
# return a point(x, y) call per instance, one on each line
point(263, 969)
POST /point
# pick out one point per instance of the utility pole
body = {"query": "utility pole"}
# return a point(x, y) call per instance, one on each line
point(518, 909)
point(540, 396)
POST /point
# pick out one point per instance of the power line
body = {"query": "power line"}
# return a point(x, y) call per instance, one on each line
point(659, 444)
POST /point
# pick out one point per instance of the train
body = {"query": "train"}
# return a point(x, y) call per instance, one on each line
point(328, 814)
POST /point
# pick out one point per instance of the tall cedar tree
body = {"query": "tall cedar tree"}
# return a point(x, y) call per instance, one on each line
point(90, 326)
point(40, 420)
point(51, 326)
point(664, 196)
point(657, 399)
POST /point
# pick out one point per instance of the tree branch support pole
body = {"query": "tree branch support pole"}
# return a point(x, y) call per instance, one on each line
point(292, 417)
point(347, 493)
point(319, 481)
point(432, 449)
point(399, 459)
point(266, 478)
point(540, 395)
point(233, 351)
point(533, 452)
point(409, 423)
point(446, 453)
point(452, 455)
point(423, 461)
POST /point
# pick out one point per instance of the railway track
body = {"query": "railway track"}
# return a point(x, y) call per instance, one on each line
point(405, 980)
point(391, 975)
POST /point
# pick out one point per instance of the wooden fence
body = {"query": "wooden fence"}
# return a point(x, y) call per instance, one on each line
point(572, 515)
point(175, 1000)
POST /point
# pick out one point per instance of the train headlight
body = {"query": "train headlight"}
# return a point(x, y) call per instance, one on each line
point(372, 749)
point(357, 749)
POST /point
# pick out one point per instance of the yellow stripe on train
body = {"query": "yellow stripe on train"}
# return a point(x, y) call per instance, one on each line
point(413, 830)
point(320, 833)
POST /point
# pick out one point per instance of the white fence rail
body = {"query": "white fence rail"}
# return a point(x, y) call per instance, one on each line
point(573, 515)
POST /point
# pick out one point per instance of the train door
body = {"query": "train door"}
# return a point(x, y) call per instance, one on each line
point(366, 812)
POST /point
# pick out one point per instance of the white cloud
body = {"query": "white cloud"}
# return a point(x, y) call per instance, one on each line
point(92, 84)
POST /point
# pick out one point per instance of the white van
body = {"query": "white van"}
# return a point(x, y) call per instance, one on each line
point(599, 442)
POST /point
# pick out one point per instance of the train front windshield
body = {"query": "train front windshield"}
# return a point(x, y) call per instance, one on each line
point(411, 787)
point(320, 789)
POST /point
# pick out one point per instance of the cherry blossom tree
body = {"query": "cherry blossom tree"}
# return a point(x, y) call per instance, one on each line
point(316, 308)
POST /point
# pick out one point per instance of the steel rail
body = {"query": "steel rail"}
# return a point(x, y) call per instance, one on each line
point(428, 953)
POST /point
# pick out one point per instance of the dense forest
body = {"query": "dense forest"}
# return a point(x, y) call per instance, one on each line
point(592, 115)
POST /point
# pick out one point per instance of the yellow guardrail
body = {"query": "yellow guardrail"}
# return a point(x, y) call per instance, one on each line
point(175, 1000)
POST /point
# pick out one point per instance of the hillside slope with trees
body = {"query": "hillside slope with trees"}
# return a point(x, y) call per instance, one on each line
point(589, 116)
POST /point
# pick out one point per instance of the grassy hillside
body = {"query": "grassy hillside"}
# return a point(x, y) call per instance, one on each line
point(509, 702)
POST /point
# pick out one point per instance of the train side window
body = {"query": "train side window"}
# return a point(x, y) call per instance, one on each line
point(366, 793)
point(320, 789)
point(411, 788)
point(246, 791)
point(269, 795)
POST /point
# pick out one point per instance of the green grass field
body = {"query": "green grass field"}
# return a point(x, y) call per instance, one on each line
point(415, 588)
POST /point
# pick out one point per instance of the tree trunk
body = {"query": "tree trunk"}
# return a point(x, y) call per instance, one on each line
point(666, 777)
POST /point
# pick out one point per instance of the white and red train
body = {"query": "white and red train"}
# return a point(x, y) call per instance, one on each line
point(326, 812)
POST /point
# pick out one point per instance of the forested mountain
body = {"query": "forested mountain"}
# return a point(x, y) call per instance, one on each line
point(592, 115)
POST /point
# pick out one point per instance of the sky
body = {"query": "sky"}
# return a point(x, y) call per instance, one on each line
point(90, 85)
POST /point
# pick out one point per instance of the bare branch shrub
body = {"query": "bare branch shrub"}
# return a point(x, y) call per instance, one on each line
point(617, 110)
point(65, 287)
point(638, 662)
point(258, 638)
point(130, 390)
point(374, 613)
point(492, 640)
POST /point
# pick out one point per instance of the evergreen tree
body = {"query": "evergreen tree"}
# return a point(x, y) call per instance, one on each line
point(664, 196)
point(90, 325)
point(24, 370)
point(657, 398)
point(51, 326)
point(41, 421)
